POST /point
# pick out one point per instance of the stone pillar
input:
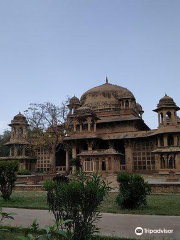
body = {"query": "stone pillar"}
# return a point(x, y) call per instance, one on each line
point(94, 126)
point(74, 151)
point(74, 127)
point(157, 162)
point(112, 164)
point(67, 160)
point(175, 140)
point(107, 165)
point(166, 161)
point(129, 156)
point(24, 131)
point(89, 124)
point(159, 118)
point(159, 143)
point(165, 120)
point(15, 151)
point(80, 126)
point(165, 140)
point(10, 152)
point(100, 165)
point(24, 151)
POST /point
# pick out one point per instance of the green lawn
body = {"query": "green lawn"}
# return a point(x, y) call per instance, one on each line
point(160, 204)
point(13, 234)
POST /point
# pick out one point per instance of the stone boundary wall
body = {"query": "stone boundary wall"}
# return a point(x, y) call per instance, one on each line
point(156, 188)
point(165, 187)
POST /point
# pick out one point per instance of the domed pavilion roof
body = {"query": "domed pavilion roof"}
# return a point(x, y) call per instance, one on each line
point(74, 100)
point(19, 119)
point(105, 96)
point(166, 102)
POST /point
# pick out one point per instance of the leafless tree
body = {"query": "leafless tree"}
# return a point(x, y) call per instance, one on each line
point(48, 126)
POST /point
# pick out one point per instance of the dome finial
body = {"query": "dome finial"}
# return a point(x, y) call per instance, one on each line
point(106, 79)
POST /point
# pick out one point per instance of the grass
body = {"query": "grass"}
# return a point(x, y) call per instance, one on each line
point(158, 204)
point(13, 233)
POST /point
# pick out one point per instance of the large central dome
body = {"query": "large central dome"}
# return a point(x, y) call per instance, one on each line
point(105, 96)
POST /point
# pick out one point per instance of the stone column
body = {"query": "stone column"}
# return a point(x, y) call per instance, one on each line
point(159, 118)
point(80, 126)
point(129, 156)
point(10, 152)
point(89, 124)
point(15, 152)
point(157, 162)
point(74, 151)
point(107, 165)
point(112, 164)
point(67, 160)
point(175, 140)
point(165, 140)
point(74, 127)
point(159, 143)
point(166, 161)
point(100, 165)
point(94, 125)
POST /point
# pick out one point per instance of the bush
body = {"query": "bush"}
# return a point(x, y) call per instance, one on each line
point(24, 172)
point(8, 177)
point(133, 191)
point(75, 162)
point(77, 200)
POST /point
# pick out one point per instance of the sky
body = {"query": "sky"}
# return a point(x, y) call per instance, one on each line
point(51, 49)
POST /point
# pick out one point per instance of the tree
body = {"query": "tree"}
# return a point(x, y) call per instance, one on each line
point(133, 191)
point(4, 138)
point(8, 177)
point(77, 200)
point(48, 126)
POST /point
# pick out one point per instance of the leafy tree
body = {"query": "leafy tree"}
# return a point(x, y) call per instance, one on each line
point(8, 177)
point(48, 127)
point(4, 138)
point(77, 200)
point(133, 191)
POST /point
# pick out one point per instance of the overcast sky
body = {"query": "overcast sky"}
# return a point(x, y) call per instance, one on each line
point(53, 48)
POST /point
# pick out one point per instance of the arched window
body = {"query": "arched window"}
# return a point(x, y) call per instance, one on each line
point(170, 140)
point(20, 132)
point(161, 141)
point(168, 118)
point(127, 104)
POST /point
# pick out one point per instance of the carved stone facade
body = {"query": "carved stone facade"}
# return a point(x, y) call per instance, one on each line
point(19, 146)
point(109, 135)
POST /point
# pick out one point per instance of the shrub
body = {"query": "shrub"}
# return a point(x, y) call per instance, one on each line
point(77, 200)
point(133, 191)
point(24, 172)
point(8, 177)
point(76, 162)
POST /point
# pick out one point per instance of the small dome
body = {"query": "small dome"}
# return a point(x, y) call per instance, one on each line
point(84, 111)
point(139, 107)
point(74, 100)
point(166, 101)
point(19, 118)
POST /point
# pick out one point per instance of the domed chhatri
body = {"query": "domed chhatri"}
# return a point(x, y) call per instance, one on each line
point(166, 101)
point(74, 100)
point(19, 119)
